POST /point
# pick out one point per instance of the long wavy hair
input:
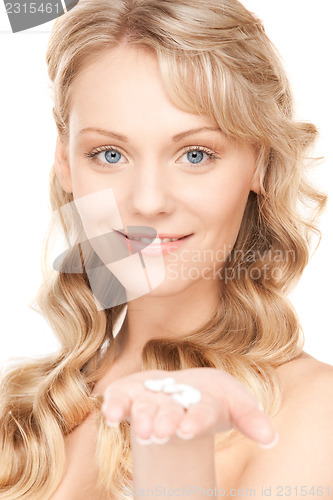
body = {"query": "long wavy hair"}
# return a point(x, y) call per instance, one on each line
point(215, 59)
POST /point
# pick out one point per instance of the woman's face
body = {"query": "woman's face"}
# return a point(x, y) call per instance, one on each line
point(135, 159)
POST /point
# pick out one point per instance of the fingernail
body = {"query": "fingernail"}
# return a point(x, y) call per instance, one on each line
point(271, 444)
point(182, 435)
point(159, 440)
point(143, 441)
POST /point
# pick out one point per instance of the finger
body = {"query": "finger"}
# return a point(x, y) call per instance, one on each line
point(204, 417)
point(121, 393)
point(167, 418)
point(119, 396)
point(254, 423)
point(116, 407)
point(143, 412)
point(244, 411)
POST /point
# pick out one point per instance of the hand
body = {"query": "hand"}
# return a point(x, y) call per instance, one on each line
point(225, 403)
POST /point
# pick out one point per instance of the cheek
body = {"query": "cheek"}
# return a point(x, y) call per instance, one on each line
point(98, 211)
point(83, 182)
point(225, 209)
point(85, 179)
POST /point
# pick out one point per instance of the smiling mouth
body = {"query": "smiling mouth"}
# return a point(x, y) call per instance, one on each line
point(156, 240)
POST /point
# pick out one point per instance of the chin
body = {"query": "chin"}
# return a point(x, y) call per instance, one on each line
point(169, 288)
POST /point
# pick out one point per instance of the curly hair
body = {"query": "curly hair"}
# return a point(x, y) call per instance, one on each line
point(215, 59)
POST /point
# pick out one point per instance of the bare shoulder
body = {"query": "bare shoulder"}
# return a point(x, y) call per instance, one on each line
point(303, 375)
point(302, 461)
point(307, 388)
point(304, 453)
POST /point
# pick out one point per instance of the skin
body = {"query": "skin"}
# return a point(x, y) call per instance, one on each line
point(156, 185)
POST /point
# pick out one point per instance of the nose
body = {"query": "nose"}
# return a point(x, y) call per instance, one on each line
point(150, 191)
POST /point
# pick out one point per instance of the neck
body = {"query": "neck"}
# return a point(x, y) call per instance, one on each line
point(164, 316)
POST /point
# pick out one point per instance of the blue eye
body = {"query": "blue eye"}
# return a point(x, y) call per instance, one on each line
point(196, 156)
point(112, 156)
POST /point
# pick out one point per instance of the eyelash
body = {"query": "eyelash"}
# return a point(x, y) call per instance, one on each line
point(211, 155)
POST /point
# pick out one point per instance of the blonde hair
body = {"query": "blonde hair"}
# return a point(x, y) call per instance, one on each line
point(215, 59)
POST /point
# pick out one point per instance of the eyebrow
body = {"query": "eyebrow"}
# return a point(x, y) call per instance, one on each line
point(175, 138)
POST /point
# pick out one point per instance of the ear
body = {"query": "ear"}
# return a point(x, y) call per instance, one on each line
point(255, 186)
point(61, 165)
point(259, 163)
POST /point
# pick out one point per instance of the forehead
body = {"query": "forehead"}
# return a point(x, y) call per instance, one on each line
point(123, 87)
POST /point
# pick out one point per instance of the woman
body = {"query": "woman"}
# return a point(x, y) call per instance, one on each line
point(175, 121)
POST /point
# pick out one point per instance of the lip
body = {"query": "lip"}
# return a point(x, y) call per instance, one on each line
point(133, 234)
point(157, 248)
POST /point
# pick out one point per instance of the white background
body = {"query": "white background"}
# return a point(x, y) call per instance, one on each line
point(301, 30)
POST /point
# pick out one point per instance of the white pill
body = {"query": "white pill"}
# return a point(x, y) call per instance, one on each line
point(157, 385)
